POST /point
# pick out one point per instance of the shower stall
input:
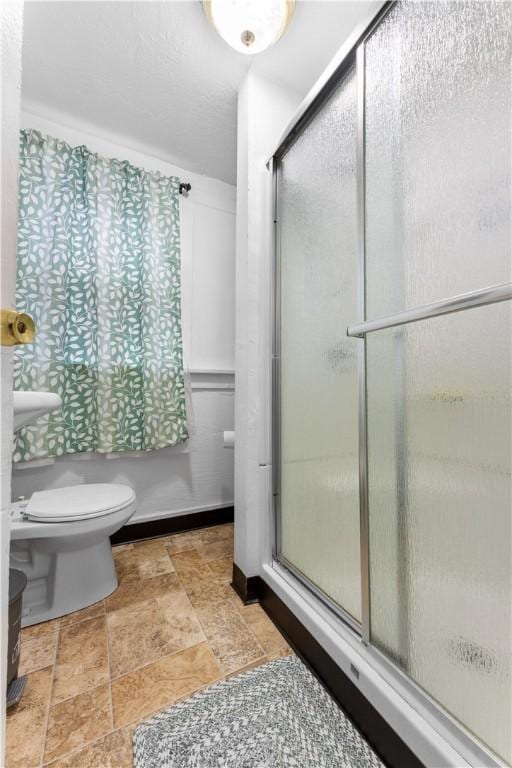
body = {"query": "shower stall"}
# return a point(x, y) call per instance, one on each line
point(392, 354)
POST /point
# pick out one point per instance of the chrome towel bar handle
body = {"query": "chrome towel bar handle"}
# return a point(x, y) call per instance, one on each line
point(480, 298)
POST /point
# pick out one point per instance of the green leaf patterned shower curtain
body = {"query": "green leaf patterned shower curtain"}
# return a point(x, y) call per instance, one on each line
point(99, 270)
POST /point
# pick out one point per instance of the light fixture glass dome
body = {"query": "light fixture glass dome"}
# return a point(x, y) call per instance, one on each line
point(250, 26)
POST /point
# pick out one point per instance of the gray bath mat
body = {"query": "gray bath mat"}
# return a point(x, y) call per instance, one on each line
point(275, 716)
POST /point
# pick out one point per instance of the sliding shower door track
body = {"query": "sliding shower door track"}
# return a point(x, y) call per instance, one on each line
point(333, 606)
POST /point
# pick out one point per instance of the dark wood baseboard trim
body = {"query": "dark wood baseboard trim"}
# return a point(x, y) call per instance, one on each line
point(248, 588)
point(379, 734)
point(151, 529)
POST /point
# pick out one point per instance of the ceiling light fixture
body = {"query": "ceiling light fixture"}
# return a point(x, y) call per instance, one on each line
point(250, 26)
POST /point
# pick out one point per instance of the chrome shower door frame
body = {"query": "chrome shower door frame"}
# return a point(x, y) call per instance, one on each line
point(350, 57)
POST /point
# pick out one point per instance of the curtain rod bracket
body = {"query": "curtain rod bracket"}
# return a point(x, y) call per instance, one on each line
point(185, 187)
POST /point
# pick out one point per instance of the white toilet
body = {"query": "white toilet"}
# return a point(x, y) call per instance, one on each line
point(60, 540)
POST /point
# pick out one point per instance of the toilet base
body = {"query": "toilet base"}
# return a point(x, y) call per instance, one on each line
point(68, 564)
point(61, 582)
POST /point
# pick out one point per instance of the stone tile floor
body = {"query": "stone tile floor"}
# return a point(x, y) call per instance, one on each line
point(173, 626)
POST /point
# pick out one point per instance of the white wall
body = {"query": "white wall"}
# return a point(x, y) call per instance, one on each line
point(263, 112)
point(199, 474)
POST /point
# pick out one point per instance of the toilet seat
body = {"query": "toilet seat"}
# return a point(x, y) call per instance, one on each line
point(78, 502)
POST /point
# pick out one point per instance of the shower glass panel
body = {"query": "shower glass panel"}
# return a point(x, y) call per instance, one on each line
point(440, 532)
point(318, 505)
point(437, 157)
point(437, 135)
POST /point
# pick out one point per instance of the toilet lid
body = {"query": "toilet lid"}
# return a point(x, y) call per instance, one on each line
point(78, 502)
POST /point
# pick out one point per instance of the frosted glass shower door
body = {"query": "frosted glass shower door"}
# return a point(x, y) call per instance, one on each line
point(318, 505)
point(437, 109)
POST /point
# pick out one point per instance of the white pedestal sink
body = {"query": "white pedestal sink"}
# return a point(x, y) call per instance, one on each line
point(29, 406)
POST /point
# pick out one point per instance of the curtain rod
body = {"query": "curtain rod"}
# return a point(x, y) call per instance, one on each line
point(185, 187)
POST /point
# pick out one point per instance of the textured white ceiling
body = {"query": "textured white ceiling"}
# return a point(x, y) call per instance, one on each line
point(157, 74)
